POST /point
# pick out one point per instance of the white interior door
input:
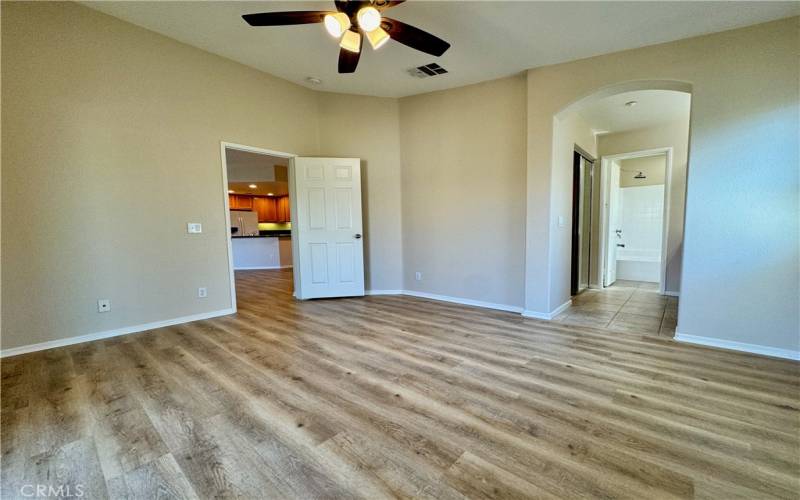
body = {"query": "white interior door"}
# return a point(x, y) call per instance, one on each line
point(327, 227)
point(614, 235)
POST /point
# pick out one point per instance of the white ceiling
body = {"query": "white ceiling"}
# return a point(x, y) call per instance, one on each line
point(654, 107)
point(266, 172)
point(489, 39)
point(262, 188)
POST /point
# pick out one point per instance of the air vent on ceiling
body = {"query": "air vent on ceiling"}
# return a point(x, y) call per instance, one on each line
point(431, 69)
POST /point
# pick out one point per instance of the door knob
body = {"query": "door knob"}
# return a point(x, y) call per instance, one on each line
point(621, 245)
point(357, 236)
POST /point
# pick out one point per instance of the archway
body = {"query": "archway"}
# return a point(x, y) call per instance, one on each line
point(559, 237)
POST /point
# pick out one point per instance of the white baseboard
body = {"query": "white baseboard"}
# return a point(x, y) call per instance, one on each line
point(447, 298)
point(112, 333)
point(260, 268)
point(548, 316)
point(466, 302)
point(672, 294)
point(738, 346)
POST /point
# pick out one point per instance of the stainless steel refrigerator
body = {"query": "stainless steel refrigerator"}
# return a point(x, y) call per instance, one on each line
point(244, 223)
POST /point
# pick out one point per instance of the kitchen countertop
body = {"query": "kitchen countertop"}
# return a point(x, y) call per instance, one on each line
point(262, 235)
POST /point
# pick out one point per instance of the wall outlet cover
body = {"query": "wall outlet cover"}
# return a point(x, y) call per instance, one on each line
point(418, 276)
point(202, 292)
point(194, 227)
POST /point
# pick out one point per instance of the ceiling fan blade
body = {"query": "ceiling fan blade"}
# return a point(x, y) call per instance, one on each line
point(414, 37)
point(285, 18)
point(348, 61)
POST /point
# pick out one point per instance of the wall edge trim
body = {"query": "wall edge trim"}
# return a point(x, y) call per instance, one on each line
point(547, 316)
point(463, 301)
point(448, 298)
point(125, 330)
point(732, 345)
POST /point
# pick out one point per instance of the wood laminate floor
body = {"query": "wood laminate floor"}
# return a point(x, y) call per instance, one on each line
point(382, 397)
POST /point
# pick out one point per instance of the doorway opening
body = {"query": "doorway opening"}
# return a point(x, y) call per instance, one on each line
point(582, 183)
point(627, 207)
point(635, 194)
point(257, 210)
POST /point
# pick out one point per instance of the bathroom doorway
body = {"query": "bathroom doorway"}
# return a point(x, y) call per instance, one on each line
point(636, 196)
point(582, 184)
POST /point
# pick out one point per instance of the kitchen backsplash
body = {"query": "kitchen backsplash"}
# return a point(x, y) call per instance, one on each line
point(274, 226)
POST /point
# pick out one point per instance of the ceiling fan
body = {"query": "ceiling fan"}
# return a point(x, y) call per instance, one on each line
point(352, 20)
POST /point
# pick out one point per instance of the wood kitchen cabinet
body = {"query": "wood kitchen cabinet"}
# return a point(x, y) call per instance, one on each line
point(240, 202)
point(244, 202)
point(266, 207)
point(284, 214)
point(269, 209)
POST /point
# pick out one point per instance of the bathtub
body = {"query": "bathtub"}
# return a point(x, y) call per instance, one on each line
point(638, 264)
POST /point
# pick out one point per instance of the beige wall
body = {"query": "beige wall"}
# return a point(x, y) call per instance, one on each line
point(463, 154)
point(570, 130)
point(653, 168)
point(674, 135)
point(740, 268)
point(378, 146)
point(111, 144)
point(111, 137)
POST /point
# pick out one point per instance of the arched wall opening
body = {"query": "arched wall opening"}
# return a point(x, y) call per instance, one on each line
point(569, 133)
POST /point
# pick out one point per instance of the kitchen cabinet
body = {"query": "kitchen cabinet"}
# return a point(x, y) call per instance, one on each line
point(244, 202)
point(284, 214)
point(266, 208)
point(240, 202)
point(269, 209)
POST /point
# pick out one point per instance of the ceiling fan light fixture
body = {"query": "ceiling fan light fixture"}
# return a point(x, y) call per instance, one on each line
point(369, 19)
point(351, 41)
point(337, 24)
point(377, 38)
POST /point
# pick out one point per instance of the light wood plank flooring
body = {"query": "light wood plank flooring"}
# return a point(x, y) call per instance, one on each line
point(382, 397)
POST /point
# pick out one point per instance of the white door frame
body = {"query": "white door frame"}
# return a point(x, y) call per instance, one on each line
point(250, 149)
point(604, 187)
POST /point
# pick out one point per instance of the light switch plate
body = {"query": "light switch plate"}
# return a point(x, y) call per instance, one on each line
point(103, 305)
point(560, 221)
point(194, 227)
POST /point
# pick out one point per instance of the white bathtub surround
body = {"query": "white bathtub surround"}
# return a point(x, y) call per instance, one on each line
point(642, 210)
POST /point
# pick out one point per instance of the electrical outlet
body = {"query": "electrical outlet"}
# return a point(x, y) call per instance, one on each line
point(202, 292)
point(194, 227)
point(418, 276)
point(103, 305)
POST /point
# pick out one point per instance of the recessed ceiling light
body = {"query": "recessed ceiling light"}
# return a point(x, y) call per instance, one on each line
point(252, 186)
point(631, 104)
point(270, 194)
point(314, 80)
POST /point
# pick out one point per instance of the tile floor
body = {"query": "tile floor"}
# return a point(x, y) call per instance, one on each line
point(626, 306)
